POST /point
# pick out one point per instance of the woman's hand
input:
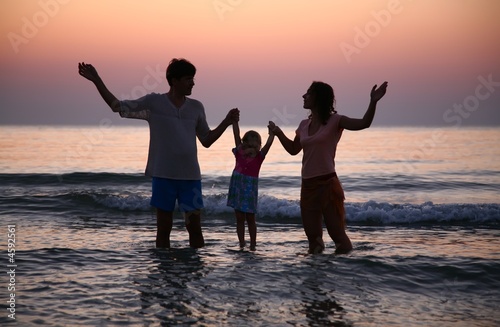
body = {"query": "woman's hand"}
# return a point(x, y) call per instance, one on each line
point(378, 93)
point(273, 128)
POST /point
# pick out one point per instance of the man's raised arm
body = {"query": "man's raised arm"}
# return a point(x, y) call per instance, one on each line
point(89, 72)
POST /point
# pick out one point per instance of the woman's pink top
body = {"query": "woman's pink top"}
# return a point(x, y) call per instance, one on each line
point(319, 148)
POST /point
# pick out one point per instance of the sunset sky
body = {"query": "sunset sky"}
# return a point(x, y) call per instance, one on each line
point(440, 57)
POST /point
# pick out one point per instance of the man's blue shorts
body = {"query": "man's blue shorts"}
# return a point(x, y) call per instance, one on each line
point(166, 191)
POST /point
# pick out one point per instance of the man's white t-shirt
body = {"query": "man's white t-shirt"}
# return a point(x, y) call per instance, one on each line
point(172, 134)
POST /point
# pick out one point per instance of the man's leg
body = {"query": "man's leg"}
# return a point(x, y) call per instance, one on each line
point(193, 226)
point(164, 227)
point(191, 202)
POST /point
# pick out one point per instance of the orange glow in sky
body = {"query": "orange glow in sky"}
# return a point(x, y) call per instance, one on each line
point(258, 54)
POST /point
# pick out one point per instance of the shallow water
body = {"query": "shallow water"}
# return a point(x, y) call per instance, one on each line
point(112, 275)
point(424, 224)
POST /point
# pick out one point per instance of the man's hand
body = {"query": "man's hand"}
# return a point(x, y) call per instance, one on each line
point(233, 116)
point(88, 71)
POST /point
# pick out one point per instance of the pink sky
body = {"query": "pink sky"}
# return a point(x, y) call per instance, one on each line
point(257, 55)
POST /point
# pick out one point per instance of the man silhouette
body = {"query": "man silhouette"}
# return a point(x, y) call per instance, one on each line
point(175, 121)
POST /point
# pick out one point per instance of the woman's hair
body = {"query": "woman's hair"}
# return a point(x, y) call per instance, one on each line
point(249, 135)
point(324, 100)
point(178, 68)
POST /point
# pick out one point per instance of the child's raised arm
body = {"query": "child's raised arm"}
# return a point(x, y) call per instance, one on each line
point(236, 133)
point(270, 139)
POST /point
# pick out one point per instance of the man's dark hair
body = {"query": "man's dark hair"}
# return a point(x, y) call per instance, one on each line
point(178, 68)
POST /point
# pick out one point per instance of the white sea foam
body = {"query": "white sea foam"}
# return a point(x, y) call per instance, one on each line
point(371, 212)
point(128, 202)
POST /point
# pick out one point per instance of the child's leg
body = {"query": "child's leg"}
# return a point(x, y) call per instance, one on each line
point(240, 226)
point(252, 230)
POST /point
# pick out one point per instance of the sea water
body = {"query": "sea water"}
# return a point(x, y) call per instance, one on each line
point(423, 213)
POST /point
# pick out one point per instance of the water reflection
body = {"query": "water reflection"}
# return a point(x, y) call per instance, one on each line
point(165, 292)
point(318, 301)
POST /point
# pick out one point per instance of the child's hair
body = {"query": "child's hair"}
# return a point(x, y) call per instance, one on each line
point(249, 135)
point(178, 68)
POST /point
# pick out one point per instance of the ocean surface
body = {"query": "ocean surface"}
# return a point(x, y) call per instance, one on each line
point(77, 234)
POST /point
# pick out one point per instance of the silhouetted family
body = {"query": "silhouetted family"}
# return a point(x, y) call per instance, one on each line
point(176, 121)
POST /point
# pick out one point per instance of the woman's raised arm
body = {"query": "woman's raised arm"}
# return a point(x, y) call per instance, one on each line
point(292, 147)
point(355, 124)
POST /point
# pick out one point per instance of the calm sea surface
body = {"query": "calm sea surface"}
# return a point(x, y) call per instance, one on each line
point(423, 211)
